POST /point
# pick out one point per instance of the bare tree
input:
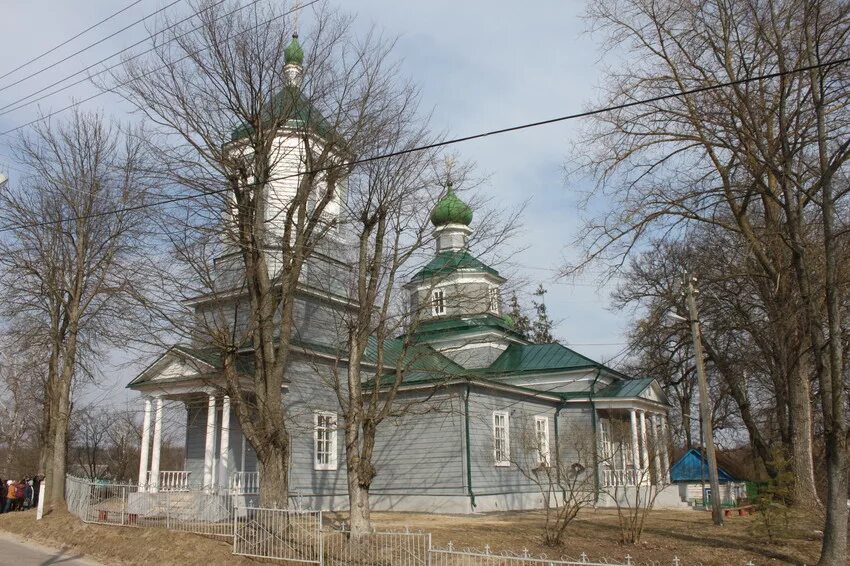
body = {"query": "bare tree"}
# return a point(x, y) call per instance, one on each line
point(260, 135)
point(69, 257)
point(89, 441)
point(388, 208)
point(20, 411)
point(565, 479)
point(633, 492)
point(759, 160)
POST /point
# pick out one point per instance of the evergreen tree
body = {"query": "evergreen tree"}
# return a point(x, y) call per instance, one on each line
point(520, 320)
point(541, 328)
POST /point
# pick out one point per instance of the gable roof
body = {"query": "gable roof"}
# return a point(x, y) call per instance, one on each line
point(450, 261)
point(687, 469)
point(539, 358)
point(208, 358)
point(626, 388)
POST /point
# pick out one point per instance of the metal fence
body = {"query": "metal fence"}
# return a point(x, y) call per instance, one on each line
point(292, 535)
point(283, 534)
point(451, 556)
point(205, 513)
point(388, 548)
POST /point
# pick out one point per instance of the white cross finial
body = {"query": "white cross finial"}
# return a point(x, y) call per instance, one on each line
point(296, 8)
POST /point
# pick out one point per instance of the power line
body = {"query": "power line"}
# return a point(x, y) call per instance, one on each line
point(69, 40)
point(101, 93)
point(98, 42)
point(93, 65)
point(440, 144)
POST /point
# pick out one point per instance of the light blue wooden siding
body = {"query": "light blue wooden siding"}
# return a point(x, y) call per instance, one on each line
point(421, 452)
point(577, 440)
point(196, 431)
point(575, 436)
point(487, 478)
point(307, 393)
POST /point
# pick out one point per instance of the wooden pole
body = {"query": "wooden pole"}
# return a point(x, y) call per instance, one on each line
point(705, 410)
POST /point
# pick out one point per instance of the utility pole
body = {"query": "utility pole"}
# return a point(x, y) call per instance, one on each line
point(705, 410)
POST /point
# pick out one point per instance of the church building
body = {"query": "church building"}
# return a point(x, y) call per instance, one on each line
point(501, 410)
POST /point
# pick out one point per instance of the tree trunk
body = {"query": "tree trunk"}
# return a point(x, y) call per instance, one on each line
point(802, 464)
point(359, 508)
point(60, 442)
point(274, 476)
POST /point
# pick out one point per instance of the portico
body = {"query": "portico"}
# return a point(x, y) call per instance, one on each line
point(222, 460)
point(634, 435)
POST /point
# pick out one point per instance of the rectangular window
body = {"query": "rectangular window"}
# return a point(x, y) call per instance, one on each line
point(493, 300)
point(324, 440)
point(541, 432)
point(438, 302)
point(501, 438)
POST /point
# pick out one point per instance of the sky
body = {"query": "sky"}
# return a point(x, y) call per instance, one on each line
point(481, 65)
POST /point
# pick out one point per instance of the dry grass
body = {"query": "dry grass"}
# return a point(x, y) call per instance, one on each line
point(122, 545)
point(690, 535)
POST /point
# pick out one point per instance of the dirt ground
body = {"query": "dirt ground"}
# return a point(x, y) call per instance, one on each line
point(122, 545)
point(689, 535)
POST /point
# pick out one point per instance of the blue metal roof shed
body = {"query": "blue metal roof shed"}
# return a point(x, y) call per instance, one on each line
point(687, 469)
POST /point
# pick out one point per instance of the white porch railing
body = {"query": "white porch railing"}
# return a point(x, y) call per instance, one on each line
point(245, 483)
point(176, 480)
point(613, 478)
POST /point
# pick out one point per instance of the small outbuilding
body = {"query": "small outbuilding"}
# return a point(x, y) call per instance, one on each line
point(690, 473)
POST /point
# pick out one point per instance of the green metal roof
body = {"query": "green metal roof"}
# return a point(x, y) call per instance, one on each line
point(449, 261)
point(293, 54)
point(539, 357)
point(452, 326)
point(451, 210)
point(291, 104)
point(625, 388)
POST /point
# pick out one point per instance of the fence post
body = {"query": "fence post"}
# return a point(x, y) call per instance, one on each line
point(428, 551)
point(235, 515)
point(321, 541)
point(123, 503)
point(168, 510)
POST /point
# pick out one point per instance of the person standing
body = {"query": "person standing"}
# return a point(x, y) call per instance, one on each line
point(10, 496)
point(28, 494)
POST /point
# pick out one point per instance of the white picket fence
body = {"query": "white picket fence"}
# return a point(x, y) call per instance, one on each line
point(292, 535)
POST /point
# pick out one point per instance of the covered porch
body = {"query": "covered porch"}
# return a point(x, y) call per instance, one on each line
point(217, 458)
point(634, 436)
point(228, 463)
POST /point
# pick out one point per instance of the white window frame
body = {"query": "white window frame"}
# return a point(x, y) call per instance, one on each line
point(331, 430)
point(502, 457)
point(438, 302)
point(544, 456)
point(493, 299)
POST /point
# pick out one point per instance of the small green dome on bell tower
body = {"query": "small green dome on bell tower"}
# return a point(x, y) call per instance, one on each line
point(293, 54)
point(451, 210)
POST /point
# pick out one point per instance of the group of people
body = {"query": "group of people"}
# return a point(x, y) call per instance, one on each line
point(18, 495)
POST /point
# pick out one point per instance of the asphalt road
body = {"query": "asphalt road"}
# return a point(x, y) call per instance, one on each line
point(18, 552)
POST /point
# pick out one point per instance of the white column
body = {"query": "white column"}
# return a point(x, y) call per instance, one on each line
point(635, 445)
point(644, 465)
point(209, 447)
point(224, 450)
point(656, 448)
point(157, 444)
point(145, 447)
point(665, 455)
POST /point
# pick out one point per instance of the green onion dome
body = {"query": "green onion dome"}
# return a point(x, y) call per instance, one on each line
point(293, 54)
point(451, 210)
